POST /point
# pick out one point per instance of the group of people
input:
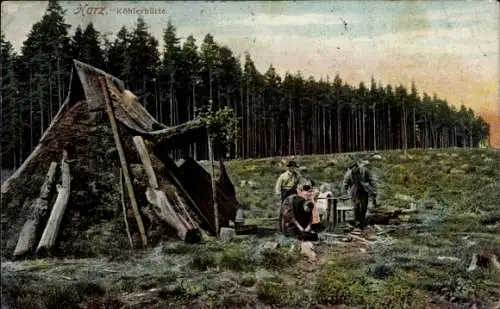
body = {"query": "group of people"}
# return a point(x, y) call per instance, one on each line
point(302, 207)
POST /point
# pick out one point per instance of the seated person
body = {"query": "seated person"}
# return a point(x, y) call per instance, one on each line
point(241, 214)
point(296, 215)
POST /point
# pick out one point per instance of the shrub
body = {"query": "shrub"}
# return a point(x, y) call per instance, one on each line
point(277, 258)
point(236, 259)
point(203, 261)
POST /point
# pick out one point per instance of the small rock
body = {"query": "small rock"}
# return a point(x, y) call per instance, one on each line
point(404, 197)
point(302, 168)
point(377, 157)
point(333, 162)
point(429, 204)
point(263, 274)
point(226, 234)
point(454, 155)
point(253, 184)
point(307, 248)
point(456, 171)
point(270, 245)
point(465, 167)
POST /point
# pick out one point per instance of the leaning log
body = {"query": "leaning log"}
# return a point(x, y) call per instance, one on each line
point(52, 228)
point(166, 212)
point(123, 163)
point(27, 237)
point(181, 222)
point(181, 135)
point(18, 174)
point(213, 184)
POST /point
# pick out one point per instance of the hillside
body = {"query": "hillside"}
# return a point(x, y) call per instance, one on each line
point(420, 263)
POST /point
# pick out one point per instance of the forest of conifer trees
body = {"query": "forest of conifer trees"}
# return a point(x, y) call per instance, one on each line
point(276, 115)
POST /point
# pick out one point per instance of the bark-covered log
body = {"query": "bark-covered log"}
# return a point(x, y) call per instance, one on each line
point(181, 135)
point(49, 235)
point(382, 217)
point(27, 237)
point(178, 219)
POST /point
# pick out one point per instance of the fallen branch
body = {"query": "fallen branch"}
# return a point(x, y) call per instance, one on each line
point(125, 211)
point(333, 235)
point(27, 237)
point(49, 235)
point(361, 239)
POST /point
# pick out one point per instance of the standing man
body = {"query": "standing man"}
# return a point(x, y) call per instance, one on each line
point(287, 182)
point(360, 183)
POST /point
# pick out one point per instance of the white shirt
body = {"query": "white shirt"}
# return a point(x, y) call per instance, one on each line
point(322, 203)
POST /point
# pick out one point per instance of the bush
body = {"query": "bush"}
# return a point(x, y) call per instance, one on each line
point(203, 261)
point(236, 259)
point(338, 285)
point(277, 258)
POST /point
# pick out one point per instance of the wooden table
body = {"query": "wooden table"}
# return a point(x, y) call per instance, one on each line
point(336, 213)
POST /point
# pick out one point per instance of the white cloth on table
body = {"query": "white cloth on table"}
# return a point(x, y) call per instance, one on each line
point(322, 203)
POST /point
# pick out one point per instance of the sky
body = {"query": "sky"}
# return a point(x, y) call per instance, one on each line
point(450, 48)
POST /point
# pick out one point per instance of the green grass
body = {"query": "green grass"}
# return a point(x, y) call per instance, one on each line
point(456, 192)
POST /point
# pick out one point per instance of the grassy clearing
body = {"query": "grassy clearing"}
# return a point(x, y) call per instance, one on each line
point(456, 193)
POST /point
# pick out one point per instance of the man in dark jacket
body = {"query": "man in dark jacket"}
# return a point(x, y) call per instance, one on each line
point(296, 214)
point(360, 183)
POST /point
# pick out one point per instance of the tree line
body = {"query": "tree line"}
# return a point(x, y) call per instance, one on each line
point(275, 115)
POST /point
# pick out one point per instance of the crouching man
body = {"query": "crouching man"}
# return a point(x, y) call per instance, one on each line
point(296, 216)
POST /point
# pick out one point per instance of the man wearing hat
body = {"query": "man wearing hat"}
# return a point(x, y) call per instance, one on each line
point(360, 183)
point(287, 182)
